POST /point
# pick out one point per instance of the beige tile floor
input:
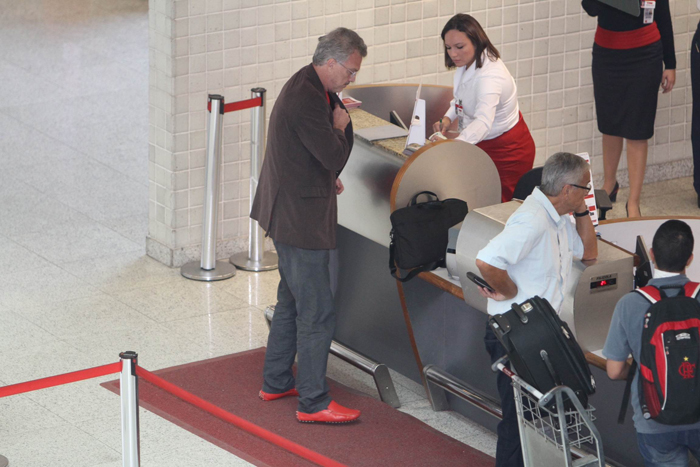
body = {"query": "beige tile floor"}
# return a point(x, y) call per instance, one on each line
point(75, 285)
point(669, 198)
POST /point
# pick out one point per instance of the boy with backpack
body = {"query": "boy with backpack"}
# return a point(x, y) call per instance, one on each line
point(659, 326)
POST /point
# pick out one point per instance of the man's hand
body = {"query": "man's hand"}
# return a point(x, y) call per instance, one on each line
point(492, 295)
point(339, 188)
point(499, 280)
point(341, 118)
point(582, 207)
point(585, 229)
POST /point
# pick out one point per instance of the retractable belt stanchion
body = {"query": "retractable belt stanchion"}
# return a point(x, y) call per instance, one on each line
point(128, 385)
point(209, 269)
point(256, 259)
point(130, 372)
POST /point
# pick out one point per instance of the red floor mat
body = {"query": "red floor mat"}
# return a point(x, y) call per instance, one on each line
point(382, 437)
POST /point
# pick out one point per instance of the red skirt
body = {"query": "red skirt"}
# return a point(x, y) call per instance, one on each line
point(513, 153)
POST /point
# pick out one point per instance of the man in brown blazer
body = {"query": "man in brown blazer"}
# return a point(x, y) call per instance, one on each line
point(308, 144)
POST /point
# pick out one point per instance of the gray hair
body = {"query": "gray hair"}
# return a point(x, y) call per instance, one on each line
point(561, 169)
point(338, 44)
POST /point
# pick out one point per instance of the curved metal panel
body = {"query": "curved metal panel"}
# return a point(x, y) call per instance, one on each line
point(450, 169)
point(364, 205)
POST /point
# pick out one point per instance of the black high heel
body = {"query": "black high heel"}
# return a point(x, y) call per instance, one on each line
point(628, 212)
point(613, 193)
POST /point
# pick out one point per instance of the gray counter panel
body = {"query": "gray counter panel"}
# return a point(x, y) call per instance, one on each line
point(364, 205)
point(448, 333)
point(369, 315)
point(619, 441)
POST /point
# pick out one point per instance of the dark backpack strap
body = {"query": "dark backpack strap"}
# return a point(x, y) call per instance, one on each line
point(652, 295)
point(626, 394)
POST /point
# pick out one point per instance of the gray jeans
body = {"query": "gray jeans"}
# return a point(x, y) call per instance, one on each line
point(303, 325)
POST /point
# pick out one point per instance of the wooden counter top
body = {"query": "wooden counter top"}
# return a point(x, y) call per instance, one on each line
point(447, 286)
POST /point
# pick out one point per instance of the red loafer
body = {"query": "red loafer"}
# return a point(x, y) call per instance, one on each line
point(273, 397)
point(335, 413)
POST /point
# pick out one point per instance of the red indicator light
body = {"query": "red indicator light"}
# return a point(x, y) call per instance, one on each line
point(603, 283)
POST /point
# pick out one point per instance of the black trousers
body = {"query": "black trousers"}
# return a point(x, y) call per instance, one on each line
point(508, 450)
point(695, 129)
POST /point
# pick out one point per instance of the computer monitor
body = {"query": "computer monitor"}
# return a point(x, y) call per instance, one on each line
point(396, 120)
point(644, 271)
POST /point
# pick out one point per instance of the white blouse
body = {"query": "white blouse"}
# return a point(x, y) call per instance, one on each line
point(488, 98)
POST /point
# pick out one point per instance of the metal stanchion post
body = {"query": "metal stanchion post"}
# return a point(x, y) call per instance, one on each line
point(4, 462)
point(256, 259)
point(209, 269)
point(128, 387)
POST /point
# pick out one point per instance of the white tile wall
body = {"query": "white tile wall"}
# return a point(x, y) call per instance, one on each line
point(227, 47)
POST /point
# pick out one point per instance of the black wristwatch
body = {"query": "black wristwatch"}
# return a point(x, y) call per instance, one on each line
point(581, 214)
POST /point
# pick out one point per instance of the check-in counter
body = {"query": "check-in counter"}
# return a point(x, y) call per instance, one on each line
point(435, 319)
point(453, 169)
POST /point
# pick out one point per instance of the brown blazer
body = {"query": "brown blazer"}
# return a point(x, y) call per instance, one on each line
point(295, 202)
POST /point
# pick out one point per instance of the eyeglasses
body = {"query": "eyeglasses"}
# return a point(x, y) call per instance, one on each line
point(352, 73)
point(587, 188)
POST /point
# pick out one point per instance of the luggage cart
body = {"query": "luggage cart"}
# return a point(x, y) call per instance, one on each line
point(548, 437)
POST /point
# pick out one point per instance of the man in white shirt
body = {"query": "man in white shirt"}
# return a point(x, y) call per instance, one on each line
point(533, 255)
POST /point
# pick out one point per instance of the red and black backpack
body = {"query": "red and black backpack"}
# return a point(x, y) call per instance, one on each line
point(669, 381)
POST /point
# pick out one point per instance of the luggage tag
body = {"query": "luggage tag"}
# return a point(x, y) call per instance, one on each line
point(648, 6)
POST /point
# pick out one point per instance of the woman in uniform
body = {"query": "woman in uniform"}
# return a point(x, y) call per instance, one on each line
point(485, 102)
point(629, 55)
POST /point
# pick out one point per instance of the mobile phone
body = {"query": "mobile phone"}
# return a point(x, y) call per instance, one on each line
point(479, 281)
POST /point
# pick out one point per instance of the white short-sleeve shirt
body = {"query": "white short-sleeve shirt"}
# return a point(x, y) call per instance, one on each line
point(536, 247)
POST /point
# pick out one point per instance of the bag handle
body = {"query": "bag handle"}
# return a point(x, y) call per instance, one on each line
point(550, 368)
point(414, 200)
point(519, 312)
point(663, 288)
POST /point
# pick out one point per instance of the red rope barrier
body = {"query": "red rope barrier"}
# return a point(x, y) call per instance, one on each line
point(58, 380)
point(252, 428)
point(240, 105)
point(233, 106)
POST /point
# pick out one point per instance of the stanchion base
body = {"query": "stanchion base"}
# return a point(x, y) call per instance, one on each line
point(194, 271)
point(268, 263)
point(4, 462)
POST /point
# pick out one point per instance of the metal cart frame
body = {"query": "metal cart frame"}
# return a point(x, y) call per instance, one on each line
point(548, 436)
